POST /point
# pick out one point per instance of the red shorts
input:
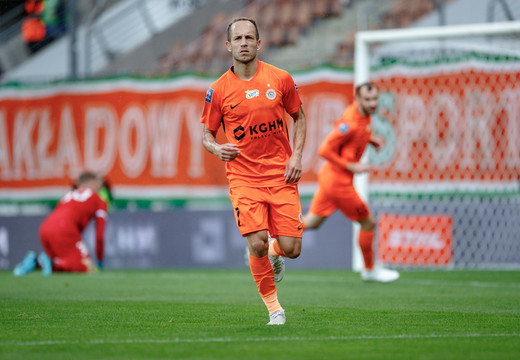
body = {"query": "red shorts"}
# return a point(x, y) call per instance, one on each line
point(276, 209)
point(64, 246)
point(347, 200)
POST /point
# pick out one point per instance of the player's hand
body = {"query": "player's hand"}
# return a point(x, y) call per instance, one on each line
point(227, 152)
point(358, 168)
point(293, 171)
point(377, 141)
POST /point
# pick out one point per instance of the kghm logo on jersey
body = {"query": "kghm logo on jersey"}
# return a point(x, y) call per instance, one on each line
point(271, 94)
point(239, 133)
point(252, 94)
point(260, 131)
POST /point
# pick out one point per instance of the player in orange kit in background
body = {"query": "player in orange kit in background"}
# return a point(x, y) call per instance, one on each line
point(343, 149)
point(60, 231)
point(250, 101)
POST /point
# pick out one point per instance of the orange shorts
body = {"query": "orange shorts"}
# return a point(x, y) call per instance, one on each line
point(276, 209)
point(347, 200)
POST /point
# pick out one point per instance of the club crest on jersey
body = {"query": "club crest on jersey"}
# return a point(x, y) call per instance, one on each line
point(209, 95)
point(252, 93)
point(343, 128)
point(271, 94)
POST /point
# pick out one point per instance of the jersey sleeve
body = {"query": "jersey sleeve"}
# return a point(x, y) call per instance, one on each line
point(291, 98)
point(212, 113)
point(101, 218)
point(330, 150)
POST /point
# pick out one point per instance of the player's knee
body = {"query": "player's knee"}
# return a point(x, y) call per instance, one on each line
point(294, 251)
point(258, 247)
point(368, 224)
point(294, 254)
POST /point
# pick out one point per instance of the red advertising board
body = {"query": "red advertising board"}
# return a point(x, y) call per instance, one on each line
point(139, 134)
point(446, 129)
point(418, 240)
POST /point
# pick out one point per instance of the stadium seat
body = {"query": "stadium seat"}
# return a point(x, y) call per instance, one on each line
point(303, 16)
point(320, 9)
point(276, 35)
point(286, 9)
point(292, 33)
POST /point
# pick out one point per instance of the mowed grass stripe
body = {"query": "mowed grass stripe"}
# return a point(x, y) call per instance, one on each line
point(268, 339)
point(296, 275)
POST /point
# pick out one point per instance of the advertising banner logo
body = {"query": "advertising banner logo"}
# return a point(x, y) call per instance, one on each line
point(415, 239)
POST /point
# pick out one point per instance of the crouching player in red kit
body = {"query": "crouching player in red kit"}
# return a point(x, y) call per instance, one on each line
point(60, 232)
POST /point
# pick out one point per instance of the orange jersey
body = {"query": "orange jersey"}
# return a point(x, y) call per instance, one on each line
point(346, 143)
point(252, 114)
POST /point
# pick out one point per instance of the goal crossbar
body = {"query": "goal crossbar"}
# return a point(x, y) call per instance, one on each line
point(365, 38)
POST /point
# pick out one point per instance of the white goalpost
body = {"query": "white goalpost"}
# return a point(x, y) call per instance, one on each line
point(457, 174)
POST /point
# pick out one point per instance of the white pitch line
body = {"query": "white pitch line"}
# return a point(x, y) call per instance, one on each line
point(232, 340)
point(465, 283)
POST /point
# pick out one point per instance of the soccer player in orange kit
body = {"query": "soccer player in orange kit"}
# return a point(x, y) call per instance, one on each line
point(343, 149)
point(60, 232)
point(250, 101)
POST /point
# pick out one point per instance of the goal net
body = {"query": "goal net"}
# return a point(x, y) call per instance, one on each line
point(446, 190)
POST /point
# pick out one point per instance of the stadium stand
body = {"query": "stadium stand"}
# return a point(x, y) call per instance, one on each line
point(292, 31)
point(296, 34)
point(281, 24)
point(15, 24)
point(400, 14)
point(106, 32)
point(332, 41)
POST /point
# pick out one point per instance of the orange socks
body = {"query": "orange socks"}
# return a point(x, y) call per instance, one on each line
point(271, 302)
point(262, 272)
point(274, 249)
point(263, 275)
point(365, 243)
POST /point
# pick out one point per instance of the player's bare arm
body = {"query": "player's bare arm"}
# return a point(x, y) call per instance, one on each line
point(225, 152)
point(293, 169)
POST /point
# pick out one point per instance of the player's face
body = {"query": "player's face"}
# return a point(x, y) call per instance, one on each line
point(244, 44)
point(367, 101)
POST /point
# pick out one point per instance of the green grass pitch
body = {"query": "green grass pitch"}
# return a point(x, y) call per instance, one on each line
point(217, 314)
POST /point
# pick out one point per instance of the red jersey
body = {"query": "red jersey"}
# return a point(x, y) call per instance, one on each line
point(74, 212)
point(346, 143)
point(253, 116)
